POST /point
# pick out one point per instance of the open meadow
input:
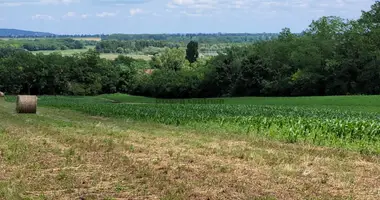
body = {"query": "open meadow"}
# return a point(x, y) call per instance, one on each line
point(128, 147)
point(109, 56)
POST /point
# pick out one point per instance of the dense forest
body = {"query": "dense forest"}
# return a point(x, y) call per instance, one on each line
point(333, 56)
point(44, 44)
point(81, 74)
point(213, 38)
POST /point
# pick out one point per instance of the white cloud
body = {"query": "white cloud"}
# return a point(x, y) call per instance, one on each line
point(197, 7)
point(135, 11)
point(13, 3)
point(107, 14)
point(42, 17)
point(119, 2)
point(84, 16)
point(191, 14)
point(70, 14)
point(186, 2)
point(75, 15)
point(58, 1)
point(156, 14)
point(10, 4)
point(281, 7)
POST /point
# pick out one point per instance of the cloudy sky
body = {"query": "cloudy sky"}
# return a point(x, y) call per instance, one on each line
point(171, 16)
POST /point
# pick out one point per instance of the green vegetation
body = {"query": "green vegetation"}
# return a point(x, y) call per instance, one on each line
point(192, 51)
point(63, 154)
point(182, 126)
point(108, 56)
point(115, 46)
point(211, 38)
point(333, 56)
point(357, 103)
point(68, 52)
point(334, 124)
point(80, 74)
point(44, 44)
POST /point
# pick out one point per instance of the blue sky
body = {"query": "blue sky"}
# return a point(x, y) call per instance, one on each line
point(171, 16)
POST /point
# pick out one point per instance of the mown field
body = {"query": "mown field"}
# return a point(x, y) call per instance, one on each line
point(120, 146)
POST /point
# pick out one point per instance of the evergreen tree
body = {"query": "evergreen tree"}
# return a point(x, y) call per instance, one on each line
point(192, 51)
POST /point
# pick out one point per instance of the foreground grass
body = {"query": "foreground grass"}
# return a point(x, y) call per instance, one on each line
point(60, 154)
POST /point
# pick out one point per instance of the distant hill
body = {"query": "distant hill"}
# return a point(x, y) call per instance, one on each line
point(22, 33)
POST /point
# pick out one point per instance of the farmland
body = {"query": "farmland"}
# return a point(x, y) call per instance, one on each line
point(122, 146)
point(108, 56)
point(195, 116)
point(329, 125)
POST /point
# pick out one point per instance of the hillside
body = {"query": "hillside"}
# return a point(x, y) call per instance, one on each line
point(22, 33)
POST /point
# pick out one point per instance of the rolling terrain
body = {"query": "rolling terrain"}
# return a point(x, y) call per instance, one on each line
point(78, 147)
point(23, 33)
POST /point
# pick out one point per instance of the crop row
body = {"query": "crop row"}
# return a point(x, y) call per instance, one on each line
point(292, 124)
point(316, 125)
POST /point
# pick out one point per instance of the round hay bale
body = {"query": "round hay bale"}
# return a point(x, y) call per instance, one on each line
point(26, 104)
point(2, 94)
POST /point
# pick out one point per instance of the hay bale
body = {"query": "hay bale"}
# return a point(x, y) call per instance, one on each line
point(26, 104)
point(2, 94)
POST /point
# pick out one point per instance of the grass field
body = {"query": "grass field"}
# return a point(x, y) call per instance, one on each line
point(88, 38)
point(127, 147)
point(110, 56)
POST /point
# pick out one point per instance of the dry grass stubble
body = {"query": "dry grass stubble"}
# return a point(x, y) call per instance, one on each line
point(66, 155)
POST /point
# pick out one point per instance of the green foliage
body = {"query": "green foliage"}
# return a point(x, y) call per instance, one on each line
point(115, 46)
point(210, 38)
point(328, 126)
point(333, 56)
point(44, 44)
point(81, 74)
point(170, 59)
point(192, 51)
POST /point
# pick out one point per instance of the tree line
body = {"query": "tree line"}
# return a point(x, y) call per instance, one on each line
point(117, 46)
point(333, 56)
point(54, 74)
point(210, 38)
point(44, 44)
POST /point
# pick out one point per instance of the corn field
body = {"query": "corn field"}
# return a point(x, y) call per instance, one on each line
point(321, 126)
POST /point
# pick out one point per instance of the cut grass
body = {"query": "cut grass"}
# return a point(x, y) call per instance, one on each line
point(60, 154)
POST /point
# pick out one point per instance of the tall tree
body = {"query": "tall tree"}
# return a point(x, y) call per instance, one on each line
point(192, 51)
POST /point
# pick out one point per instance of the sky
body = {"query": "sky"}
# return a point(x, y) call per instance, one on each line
point(172, 16)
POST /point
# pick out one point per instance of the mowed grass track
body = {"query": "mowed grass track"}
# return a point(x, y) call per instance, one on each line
point(64, 154)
